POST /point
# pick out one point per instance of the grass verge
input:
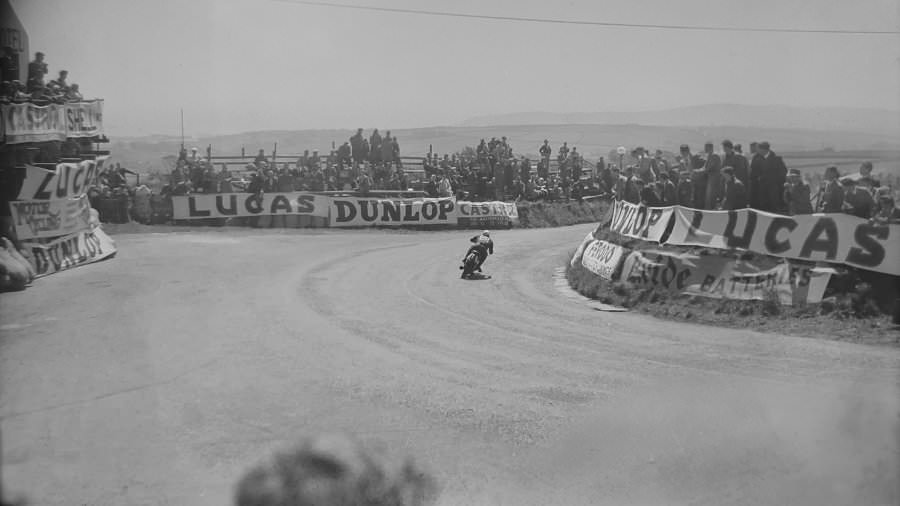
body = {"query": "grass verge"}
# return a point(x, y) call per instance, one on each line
point(845, 317)
point(560, 214)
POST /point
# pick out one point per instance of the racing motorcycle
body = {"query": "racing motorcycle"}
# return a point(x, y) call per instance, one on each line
point(470, 264)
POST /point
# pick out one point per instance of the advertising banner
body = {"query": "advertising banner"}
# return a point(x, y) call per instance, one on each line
point(33, 123)
point(363, 212)
point(724, 278)
point(640, 222)
point(230, 205)
point(69, 251)
point(84, 119)
point(603, 259)
point(581, 247)
point(836, 238)
point(487, 214)
point(69, 180)
point(50, 218)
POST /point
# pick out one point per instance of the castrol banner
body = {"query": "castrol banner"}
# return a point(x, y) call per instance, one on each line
point(69, 251)
point(835, 238)
point(640, 222)
point(369, 212)
point(232, 205)
point(603, 259)
point(67, 180)
point(50, 218)
point(721, 277)
point(33, 123)
point(487, 214)
point(54, 122)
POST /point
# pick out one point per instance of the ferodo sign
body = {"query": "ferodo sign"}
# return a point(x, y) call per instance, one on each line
point(603, 258)
point(363, 212)
point(69, 180)
point(70, 251)
point(229, 205)
point(838, 238)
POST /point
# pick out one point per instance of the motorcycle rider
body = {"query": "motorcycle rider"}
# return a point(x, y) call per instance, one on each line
point(483, 246)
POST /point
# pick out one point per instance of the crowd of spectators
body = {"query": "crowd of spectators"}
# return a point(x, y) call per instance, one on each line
point(36, 89)
point(729, 180)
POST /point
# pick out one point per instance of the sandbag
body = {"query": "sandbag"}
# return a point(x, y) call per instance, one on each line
point(17, 256)
point(13, 275)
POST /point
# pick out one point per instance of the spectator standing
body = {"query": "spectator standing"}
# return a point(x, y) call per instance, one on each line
point(444, 187)
point(797, 194)
point(735, 160)
point(685, 189)
point(831, 193)
point(735, 194)
point(387, 149)
point(544, 167)
point(375, 147)
point(37, 69)
point(857, 201)
point(356, 147)
point(644, 165)
point(667, 191)
point(886, 212)
point(632, 192)
point(772, 176)
point(864, 177)
point(60, 82)
point(754, 182)
point(713, 169)
point(9, 65)
point(396, 153)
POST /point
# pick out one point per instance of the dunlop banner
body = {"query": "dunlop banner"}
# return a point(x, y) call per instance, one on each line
point(488, 214)
point(603, 259)
point(75, 249)
point(363, 212)
point(50, 218)
point(836, 238)
point(229, 205)
point(725, 278)
point(69, 180)
point(640, 222)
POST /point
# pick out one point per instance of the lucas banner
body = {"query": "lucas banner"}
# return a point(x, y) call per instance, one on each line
point(640, 222)
point(232, 205)
point(603, 258)
point(488, 214)
point(70, 251)
point(363, 212)
point(835, 238)
point(50, 218)
point(68, 180)
point(725, 278)
point(55, 122)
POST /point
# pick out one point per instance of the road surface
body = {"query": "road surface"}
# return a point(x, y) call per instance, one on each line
point(160, 376)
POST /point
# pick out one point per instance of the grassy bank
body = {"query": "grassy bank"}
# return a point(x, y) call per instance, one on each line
point(847, 317)
point(560, 214)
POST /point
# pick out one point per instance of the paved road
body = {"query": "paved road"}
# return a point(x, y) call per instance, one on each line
point(161, 375)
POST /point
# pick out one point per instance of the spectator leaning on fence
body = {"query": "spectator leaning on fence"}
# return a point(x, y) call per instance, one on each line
point(857, 201)
point(735, 192)
point(886, 212)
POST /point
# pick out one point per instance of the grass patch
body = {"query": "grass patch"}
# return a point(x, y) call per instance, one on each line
point(560, 214)
point(853, 316)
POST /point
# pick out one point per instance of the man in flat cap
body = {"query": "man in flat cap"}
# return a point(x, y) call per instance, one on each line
point(768, 175)
point(857, 201)
point(732, 158)
point(735, 193)
point(797, 194)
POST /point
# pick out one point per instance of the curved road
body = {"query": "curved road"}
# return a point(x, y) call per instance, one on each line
point(160, 376)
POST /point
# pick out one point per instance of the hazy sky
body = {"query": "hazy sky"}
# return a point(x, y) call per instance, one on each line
point(239, 65)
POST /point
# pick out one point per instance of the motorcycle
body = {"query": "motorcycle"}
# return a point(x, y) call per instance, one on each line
point(470, 264)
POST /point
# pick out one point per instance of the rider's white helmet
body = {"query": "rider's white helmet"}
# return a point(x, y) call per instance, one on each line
point(486, 233)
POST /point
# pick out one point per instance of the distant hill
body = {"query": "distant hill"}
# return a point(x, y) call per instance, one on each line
point(592, 141)
point(875, 121)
